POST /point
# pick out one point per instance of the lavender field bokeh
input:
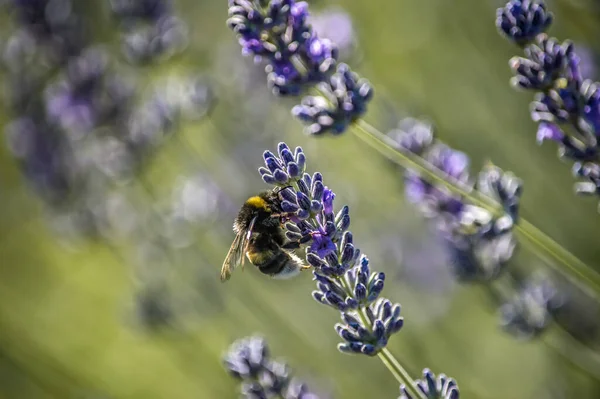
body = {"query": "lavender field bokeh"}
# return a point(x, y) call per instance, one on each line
point(118, 199)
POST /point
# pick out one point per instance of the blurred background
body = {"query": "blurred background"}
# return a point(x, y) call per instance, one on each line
point(121, 173)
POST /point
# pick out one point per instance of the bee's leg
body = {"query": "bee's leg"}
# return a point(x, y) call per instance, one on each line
point(291, 245)
point(283, 216)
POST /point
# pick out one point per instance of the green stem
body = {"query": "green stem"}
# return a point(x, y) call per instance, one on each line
point(385, 353)
point(542, 245)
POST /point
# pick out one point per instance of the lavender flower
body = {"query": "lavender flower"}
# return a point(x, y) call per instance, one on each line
point(503, 187)
point(150, 29)
point(297, 59)
point(53, 24)
point(344, 278)
point(432, 200)
point(249, 361)
point(440, 387)
point(566, 107)
point(531, 310)
point(133, 11)
point(544, 62)
point(343, 100)
point(479, 243)
point(522, 20)
point(296, 56)
point(43, 159)
point(62, 89)
point(360, 337)
point(88, 96)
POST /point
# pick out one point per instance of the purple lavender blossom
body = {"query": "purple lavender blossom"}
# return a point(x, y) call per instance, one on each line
point(344, 278)
point(433, 200)
point(531, 310)
point(43, 159)
point(249, 361)
point(522, 20)
point(413, 135)
point(133, 11)
point(567, 107)
point(307, 203)
point(440, 387)
point(52, 23)
point(341, 102)
point(478, 243)
point(545, 61)
point(151, 31)
point(297, 59)
point(88, 96)
point(479, 246)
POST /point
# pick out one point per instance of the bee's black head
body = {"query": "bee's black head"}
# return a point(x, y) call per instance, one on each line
point(261, 206)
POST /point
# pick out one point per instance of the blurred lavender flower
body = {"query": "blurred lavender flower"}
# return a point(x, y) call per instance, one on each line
point(193, 95)
point(157, 118)
point(47, 33)
point(298, 59)
point(131, 12)
point(77, 133)
point(566, 106)
point(249, 360)
point(150, 29)
point(479, 243)
point(88, 96)
point(532, 308)
point(344, 278)
point(440, 387)
point(433, 201)
point(44, 159)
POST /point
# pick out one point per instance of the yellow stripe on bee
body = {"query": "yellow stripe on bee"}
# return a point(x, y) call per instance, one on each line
point(258, 258)
point(257, 202)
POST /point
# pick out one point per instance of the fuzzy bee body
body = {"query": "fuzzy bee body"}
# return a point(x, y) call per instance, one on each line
point(260, 238)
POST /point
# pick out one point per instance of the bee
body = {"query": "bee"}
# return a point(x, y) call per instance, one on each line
point(260, 237)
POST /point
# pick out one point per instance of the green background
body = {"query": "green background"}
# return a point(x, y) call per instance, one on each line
point(67, 325)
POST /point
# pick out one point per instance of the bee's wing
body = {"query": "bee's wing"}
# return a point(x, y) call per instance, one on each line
point(235, 255)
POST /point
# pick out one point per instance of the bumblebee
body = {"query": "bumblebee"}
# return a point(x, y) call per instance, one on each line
point(260, 237)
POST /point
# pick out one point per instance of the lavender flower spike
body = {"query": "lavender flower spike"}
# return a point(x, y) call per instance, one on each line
point(249, 360)
point(531, 310)
point(279, 34)
point(344, 278)
point(440, 387)
point(297, 59)
point(479, 243)
point(566, 107)
point(343, 100)
point(522, 20)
